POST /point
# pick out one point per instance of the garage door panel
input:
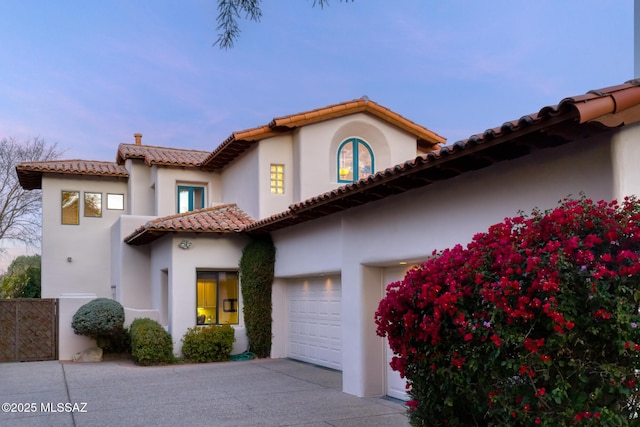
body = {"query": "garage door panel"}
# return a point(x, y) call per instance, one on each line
point(314, 309)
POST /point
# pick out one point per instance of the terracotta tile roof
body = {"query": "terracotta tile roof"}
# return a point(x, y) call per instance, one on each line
point(160, 155)
point(573, 118)
point(240, 141)
point(30, 173)
point(218, 219)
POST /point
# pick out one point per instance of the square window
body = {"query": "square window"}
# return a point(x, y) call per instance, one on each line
point(115, 201)
point(277, 179)
point(93, 204)
point(217, 298)
point(190, 198)
point(71, 207)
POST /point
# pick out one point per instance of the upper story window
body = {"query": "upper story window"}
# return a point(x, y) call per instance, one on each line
point(93, 204)
point(190, 198)
point(115, 201)
point(277, 179)
point(355, 160)
point(71, 207)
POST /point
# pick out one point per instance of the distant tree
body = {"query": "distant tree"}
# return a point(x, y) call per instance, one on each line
point(22, 279)
point(230, 11)
point(19, 208)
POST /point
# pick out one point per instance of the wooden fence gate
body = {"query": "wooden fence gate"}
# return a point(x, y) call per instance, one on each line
point(28, 329)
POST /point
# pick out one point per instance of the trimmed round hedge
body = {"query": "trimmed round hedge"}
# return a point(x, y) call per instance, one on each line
point(99, 317)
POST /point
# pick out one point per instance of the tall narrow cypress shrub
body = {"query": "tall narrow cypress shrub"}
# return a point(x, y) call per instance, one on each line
point(256, 276)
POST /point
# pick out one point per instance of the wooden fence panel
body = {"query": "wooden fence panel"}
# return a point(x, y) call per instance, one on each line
point(28, 329)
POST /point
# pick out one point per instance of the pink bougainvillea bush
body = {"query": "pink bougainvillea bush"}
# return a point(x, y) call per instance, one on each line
point(534, 323)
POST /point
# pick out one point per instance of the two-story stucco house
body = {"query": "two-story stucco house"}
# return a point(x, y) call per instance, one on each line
point(351, 194)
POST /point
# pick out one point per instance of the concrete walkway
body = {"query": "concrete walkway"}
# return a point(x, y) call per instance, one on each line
point(268, 392)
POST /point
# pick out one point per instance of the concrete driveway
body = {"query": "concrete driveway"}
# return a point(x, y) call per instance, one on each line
point(268, 392)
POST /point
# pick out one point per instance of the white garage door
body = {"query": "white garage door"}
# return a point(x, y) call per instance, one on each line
point(396, 385)
point(314, 307)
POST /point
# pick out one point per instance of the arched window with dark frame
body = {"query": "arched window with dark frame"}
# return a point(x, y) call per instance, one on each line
point(355, 160)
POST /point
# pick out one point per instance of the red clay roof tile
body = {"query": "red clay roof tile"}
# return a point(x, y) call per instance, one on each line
point(609, 107)
point(153, 155)
point(30, 173)
point(239, 141)
point(218, 219)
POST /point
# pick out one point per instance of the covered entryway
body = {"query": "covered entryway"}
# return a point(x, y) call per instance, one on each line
point(314, 321)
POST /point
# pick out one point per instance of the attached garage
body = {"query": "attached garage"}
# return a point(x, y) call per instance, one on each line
point(314, 320)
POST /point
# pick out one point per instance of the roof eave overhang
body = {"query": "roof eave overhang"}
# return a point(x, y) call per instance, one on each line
point(29, 179)
point(147, 236)
point(239, 142)
point(478, 152)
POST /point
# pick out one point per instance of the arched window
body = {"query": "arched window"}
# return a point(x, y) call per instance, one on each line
point(355, 160)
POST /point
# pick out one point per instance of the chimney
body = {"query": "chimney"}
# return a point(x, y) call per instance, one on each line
point(138, 137)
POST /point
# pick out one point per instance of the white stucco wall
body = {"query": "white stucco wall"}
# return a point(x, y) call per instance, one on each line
point(277, 150)
point(316, 148)
point(309, 249)
point(167, 179)
point(408, 227)
point(141, 194)
point(76, 258)
point(625, 149)
point(130, 265)
point(68, 342)
point(239, 182)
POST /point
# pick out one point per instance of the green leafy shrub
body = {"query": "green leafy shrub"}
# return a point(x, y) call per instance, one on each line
point(101, 319)
point(208, 344)
point(535, 322)
point(256, 275)
point(117, 343)
point(150, 343)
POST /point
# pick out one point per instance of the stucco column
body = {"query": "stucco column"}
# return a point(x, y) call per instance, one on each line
point(625, 154)
point(279, 326)
point(362, 349)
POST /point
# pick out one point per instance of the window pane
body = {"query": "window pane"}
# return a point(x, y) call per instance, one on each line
point(228, 294)
point(277, 179)
point(183, 200)
point(365, 162)
point(71, 207)
point(198, 198)
point(93, 204)
point(206, 298)
point(115, 201)
point(345, 162)
point(190, 198)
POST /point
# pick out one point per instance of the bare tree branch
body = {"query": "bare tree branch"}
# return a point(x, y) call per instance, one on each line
point(230, 11)
point(20, 209)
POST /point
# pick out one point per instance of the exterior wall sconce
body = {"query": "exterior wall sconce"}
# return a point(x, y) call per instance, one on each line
point(69, 259)
point(185, 244)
